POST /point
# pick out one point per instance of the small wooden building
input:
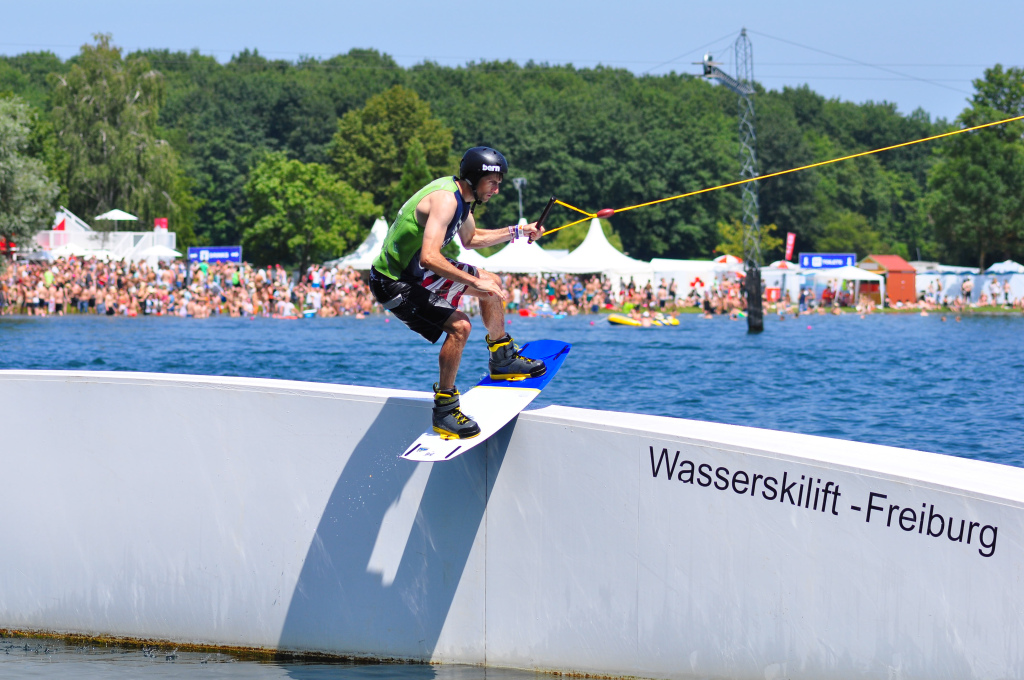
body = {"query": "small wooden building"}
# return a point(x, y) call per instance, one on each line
point(900, 276)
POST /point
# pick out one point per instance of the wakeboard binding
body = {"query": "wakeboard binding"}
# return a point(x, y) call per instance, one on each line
point(449, 420)
point(506, 363)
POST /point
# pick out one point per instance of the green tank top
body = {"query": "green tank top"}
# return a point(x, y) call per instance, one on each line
point(399, 257)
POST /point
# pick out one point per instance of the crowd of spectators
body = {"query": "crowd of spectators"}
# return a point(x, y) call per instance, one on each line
point(200, 290)
point(836, 299)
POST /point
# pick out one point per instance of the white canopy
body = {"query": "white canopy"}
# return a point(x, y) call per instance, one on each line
point(116, 214)
point(363, 256)
point(522, 257)
point(848, 273)
point(1006, 267)
point(851, 273)
point(595, 254)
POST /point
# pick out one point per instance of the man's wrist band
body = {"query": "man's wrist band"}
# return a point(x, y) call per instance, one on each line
point(515, 231)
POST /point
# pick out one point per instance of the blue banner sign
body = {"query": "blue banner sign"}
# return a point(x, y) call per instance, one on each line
point(827, 260)
point(215, 254)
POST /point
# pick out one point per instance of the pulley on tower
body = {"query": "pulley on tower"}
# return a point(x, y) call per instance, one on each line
point(743, 85)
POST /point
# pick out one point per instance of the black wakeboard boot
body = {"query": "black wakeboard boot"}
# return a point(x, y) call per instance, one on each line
point(449, 420)
point(507, 364)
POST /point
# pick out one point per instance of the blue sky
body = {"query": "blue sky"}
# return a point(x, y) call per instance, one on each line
point(914, 54)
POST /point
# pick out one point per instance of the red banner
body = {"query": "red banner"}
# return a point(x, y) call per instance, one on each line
point(160, 223)
point(790, 242)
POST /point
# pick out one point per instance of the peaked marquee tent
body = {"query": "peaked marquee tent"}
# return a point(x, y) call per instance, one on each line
point(522, 257)
point(595, 254)
point(472, 257)
point(363, 256)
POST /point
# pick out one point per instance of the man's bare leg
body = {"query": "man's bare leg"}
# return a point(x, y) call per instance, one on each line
point(458, 328)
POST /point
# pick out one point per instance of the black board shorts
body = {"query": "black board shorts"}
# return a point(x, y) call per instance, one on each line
point(423, 308)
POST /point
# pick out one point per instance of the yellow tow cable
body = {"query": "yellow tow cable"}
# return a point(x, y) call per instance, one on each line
point(774, 174)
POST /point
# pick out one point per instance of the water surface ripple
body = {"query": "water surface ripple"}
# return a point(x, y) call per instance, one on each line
point(908, 381)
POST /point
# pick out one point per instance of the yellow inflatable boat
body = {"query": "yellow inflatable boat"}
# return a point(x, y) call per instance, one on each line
point(657, 319)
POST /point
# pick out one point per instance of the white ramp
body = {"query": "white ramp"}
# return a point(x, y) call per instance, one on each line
point(275, 514)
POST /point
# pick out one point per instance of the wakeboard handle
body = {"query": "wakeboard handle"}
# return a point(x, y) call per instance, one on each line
point(544, 215)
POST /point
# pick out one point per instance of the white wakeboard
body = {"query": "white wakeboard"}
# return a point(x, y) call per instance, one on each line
point(492, 404)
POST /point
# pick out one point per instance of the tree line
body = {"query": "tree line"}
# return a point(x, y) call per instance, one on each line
point(296, 159)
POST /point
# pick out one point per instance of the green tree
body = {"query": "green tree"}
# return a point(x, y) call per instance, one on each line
point(26, 193)
point(415, 175)
point(977, 201)
point(371, 143)
point(851, 232)
point(730, 236)
point(26, 76)
point(301, 213)
point(110, 153)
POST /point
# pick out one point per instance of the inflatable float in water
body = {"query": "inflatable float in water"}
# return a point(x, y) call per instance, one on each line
point(658, 319)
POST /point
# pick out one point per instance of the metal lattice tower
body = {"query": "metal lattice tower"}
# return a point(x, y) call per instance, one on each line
point(743, 86)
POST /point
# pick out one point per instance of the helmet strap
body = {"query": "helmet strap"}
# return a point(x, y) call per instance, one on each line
point(476, 198)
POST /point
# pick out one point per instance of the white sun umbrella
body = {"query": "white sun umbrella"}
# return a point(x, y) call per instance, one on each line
point(117, 216)
point(102, 255)
point(68, 250)
point(158, 252)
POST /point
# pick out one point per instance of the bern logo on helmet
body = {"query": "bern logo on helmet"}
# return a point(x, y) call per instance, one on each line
point(490, 168)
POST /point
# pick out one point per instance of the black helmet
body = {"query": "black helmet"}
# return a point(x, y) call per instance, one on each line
point(480, 161)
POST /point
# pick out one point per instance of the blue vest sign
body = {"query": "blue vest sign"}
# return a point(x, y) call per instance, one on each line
point(215, 254)
point(827, 260)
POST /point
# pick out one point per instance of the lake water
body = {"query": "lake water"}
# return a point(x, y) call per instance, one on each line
point(908, 381)
point(53, 659)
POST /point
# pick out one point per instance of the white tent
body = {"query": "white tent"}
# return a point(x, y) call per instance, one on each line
point(522, 257)
point(786, 276)
point(472, 257)
point(848, 273)
point(1004, 272)
point(595, 254)
point(701, 273)
point(943, 280)
point(363, 256)
point(851, 273)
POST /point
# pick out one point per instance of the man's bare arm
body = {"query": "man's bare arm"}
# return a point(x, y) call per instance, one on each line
point(473, 238)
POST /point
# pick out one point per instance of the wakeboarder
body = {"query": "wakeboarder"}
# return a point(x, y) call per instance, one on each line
point(422, 288)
